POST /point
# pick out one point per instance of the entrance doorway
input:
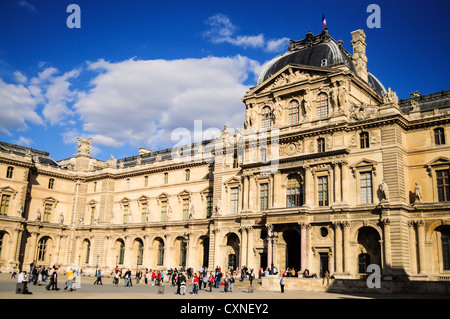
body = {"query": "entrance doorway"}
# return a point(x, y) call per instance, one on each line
point(232, 261)
point(323, 263)
point(292, 239)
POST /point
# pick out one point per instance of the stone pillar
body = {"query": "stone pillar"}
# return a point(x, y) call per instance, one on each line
point(387, 246)
point(309, 187)
point(269, 245)
point(243, 250)
point(245, 192)
point(345, 181)
point(421, 240)
point(252, 192)
point(337, 183)
point(338, 247)
point(303, 250)
point(216, 248)
point(276, 194)
point(412, 247)
point(346, 241)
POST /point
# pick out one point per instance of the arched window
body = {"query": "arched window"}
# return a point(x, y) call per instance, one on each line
point(42, 248)
point(166, 178)
point(121, 253)
point(293, 112)
point(294, 197)
point(140, 253)
point(322, 106)
point(160, 261)
point(266, 120)
point(445, 244)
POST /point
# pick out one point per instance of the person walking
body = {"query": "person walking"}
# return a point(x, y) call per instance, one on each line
point(69, 280)
point(183, 284)
point(231, 282)
point(327, 277)
point(225, 283)
point(99, 278)
point(116, 278)
point(282, 284)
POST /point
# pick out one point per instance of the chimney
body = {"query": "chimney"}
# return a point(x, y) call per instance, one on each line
point(359, 57)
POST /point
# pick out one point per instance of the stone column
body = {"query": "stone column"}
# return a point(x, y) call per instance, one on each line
point(345, 181)
point(387, 246)
point(338, 247)
point(269, 245)
point(216, 248)
point(421, 240)
point(412, 247)
point(346, 241)
point(251, 192)
point(243, 250)
point(245, 192)
point(303, 256)
point(337, 183)
point(309, 187)
point(276, 194)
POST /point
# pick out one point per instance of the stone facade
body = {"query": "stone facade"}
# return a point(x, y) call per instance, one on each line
point(329, 171)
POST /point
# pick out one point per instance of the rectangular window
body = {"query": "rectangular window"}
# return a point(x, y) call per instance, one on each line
point(323, 190)
point(166, 178)
point(320, 145)
point(5, 204)
point(234, 200)
point(95, 187)
point(9, 172)
point(264, 196)
point(146, 181)
point(364, 139)
point(47, 212)
point(92, 215)
point(163, 211)
point(51, 183)
point(188, 175)
point(366, 188)
point(126, 212)
point(144, 208)
point(209, 206)
point(439, 138)
point(443, 187)
point(185, 208)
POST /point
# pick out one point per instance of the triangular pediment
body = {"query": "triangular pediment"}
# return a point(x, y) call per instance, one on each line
point(8, 189)
point(365, 162)
point(441, 160)
point(291, 74)
point(233, 180)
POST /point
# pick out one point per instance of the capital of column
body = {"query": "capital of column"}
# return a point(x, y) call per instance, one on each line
point(305, 225)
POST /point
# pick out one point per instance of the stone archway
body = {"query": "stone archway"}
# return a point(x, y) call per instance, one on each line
point(292, 239)
point(369, 248)
point(232, 251)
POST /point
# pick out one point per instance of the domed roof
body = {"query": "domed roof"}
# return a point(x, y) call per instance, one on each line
point(315, 50)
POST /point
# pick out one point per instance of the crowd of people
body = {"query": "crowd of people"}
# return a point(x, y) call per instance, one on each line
point(177, 278)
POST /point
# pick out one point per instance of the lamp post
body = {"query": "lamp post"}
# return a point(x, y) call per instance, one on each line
point(98, 256)
point(271, 237)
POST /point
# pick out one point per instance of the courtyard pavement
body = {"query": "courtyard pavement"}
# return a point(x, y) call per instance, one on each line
point(147, 291)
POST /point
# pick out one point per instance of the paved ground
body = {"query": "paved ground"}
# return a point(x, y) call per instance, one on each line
point(142, 291)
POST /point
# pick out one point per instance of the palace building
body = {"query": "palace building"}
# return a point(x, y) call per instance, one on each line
point(330, 171)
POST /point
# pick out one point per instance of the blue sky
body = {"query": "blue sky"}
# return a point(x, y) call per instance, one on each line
point(138, 70)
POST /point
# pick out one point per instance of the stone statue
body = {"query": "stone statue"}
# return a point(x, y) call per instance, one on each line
point(278, 111)
point(112, 162)
point(84, 146)
point(307, 105)
point(249, 117)
point(192, 212)
point(61, 218)
point(417, 193)
point(384, 192)
point(342, 97)
point(169, 212)
point(218, 207)
point(38, 215)
point(390, 97)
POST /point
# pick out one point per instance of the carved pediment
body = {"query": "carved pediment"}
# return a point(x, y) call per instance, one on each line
point(288, 75)
point(364, 164)
point(439, 162)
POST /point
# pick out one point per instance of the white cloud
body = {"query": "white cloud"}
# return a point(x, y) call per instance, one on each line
point(27, 5)
point(222, 30)
point(17, 107)
point(143, 101)
point(24, 141)
point(20, 77)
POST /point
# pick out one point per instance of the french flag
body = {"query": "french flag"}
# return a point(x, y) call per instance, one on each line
point(324, 21)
